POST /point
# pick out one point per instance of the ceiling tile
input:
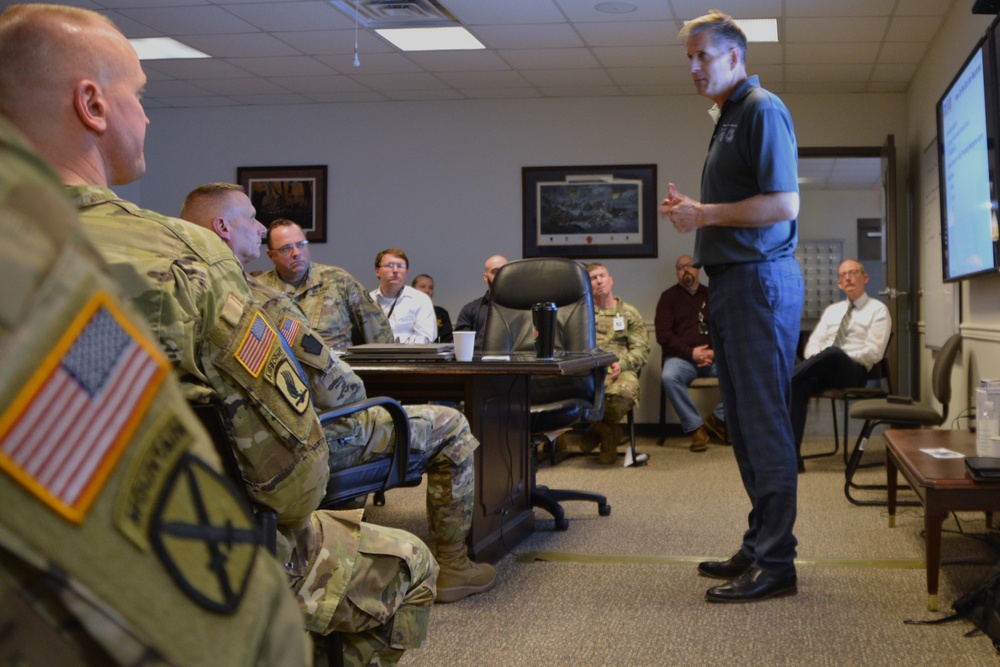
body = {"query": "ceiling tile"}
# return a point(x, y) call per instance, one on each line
point(253, 45)
point(276, 16)
point(294, 65)
point(191, 21)
point(810, 30)
point(566, 47)
point(549, 58)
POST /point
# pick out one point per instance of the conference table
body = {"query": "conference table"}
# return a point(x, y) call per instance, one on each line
point(496, 403)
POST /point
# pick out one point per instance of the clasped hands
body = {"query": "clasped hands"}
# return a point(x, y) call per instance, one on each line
point(684, 212)
point(702, 356)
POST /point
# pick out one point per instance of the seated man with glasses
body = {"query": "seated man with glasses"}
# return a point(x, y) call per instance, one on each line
point(337, 305)
point(850, 338)
point(410, 312)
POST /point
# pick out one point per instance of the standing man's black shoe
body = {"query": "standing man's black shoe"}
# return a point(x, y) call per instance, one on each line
point(726, 569)
point(754, 585)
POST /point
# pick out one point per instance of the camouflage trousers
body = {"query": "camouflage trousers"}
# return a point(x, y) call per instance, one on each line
point(386, 604)
point(441, 436)
point(620, 395)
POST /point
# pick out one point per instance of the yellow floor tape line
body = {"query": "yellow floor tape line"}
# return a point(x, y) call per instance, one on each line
point(869, 563)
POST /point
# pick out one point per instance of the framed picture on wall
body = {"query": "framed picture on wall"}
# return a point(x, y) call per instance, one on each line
point(294, 193)
point(589, 212)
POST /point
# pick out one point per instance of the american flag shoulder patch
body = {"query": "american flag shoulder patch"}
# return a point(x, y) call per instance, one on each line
point(64, 432)
point(255, 347)
point(289, 328)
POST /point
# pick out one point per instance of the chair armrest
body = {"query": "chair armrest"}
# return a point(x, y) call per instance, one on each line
point(401, 431)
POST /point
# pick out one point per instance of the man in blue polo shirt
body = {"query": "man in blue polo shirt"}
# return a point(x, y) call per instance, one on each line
point(746, 236)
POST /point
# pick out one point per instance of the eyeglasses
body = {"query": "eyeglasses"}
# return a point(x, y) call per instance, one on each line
point(287, 249)
point(393, 265)
point(683, 267)
point(851, 272)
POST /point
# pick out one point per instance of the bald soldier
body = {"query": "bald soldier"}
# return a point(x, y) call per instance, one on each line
point(439, 435)
point(77, 100)
point(85, 543)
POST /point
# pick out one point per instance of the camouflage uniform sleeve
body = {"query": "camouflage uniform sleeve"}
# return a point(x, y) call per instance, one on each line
point(333, 382)
point(368, 320)
point(638, 341)
point(79, 574)
point(191, 289)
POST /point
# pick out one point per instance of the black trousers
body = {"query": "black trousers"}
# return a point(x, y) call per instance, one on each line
point(830, 368)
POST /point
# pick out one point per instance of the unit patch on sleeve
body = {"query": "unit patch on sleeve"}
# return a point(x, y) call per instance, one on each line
point(256, 345)
point(204, 536)
point(65, 431)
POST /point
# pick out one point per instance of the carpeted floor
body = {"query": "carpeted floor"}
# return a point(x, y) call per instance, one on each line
point(623, 589)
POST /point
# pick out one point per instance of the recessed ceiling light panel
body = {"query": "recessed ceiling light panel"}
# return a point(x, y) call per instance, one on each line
point(758, 30)
point(164, 48)
point(431, 39)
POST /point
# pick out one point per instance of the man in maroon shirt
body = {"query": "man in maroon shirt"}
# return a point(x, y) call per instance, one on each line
point(682, 332)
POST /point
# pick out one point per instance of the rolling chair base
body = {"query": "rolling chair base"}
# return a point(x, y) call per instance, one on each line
point(549, 499)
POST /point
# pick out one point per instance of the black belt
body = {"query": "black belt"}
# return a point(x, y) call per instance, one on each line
point(717, 269)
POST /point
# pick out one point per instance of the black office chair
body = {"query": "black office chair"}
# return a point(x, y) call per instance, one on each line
point(556, 401)
point(377, 475)
point(878, 384)
point(902, 412)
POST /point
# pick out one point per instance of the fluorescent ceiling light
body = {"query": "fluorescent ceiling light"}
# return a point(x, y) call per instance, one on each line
point(431, 39)
point(760, 30)
point(164, 48)
point(757, 30)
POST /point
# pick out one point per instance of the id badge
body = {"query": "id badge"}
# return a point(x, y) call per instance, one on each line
point(619, 323)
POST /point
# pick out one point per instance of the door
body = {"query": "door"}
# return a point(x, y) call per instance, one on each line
point(897, 266)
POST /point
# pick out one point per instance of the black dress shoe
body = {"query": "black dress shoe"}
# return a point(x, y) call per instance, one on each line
point(754, 585)
point(726, 569)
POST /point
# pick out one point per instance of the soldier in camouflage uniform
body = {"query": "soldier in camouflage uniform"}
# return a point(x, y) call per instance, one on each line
point(89, 571)
point(77, 100)
point(620, 330)
point(440, 435)
point(339, 308)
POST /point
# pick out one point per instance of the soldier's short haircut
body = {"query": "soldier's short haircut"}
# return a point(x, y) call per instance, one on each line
point(413, 283)
point(208, 190)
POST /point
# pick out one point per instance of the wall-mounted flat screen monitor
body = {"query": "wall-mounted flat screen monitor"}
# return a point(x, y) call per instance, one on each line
point(967, 143)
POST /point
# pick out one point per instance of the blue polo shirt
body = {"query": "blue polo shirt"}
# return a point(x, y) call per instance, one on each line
point(753, 151)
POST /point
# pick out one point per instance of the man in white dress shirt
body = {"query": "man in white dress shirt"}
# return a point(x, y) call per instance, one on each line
point(850, 338)
point(410, 312)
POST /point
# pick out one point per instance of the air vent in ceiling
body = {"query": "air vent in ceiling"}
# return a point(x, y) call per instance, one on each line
point(397, 13)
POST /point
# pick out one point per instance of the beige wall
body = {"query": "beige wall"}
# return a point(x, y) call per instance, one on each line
point(442, 179)
point(980, 298)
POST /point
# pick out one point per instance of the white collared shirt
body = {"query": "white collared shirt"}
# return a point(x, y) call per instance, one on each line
point(867, 333)
point(412, 317)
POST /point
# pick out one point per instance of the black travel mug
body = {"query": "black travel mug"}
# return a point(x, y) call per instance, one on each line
point(543, 315)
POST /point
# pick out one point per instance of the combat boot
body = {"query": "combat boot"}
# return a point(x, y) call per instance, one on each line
point(611, 435)
point(459, 577)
